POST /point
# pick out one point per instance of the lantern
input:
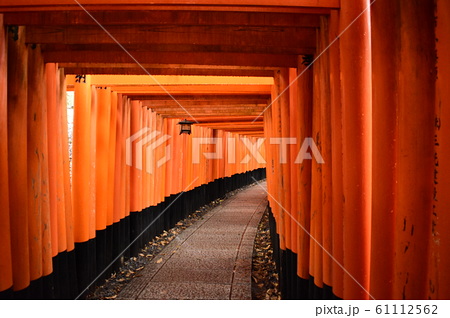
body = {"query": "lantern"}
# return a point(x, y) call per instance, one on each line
point(185, 126)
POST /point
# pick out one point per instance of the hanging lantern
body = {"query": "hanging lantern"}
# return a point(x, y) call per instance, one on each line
point(185, 126)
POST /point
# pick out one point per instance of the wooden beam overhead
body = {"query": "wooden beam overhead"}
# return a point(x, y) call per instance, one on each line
point(230, 59)
point(204, 110)
point(181, 48)
point(193, 115)
point(193, 89)
point(117, 70)
point(165, 69)
point(211, 5)
point(137, 80)
point(204, 106)
point(257, 98)
point(228, 119)
point(162, 17)
point(219, 36)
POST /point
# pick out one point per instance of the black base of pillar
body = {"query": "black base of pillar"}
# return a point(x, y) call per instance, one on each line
point(291, 285)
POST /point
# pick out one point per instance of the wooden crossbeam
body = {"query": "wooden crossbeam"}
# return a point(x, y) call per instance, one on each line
point(117, 70)
point(199, 58)
point(162, 17)
point(211, 5)
point(220, 36)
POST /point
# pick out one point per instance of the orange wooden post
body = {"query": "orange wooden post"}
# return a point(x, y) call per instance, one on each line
point(337, 194)
point(190, 166)
point(152, 125)
point(93, 156)
point(60, 199)
point(294, 125)
point(304, 113)
point(145, 174)
point(269, 158)
point(159, 170)
point(439, 287)
point(127, 171)
point(111, 159)
point(81, 161)
point(66, 166)
point(222, 161)
point(47, 260)
point(285, 177)
point(356, 95)
point(17, 157)
point(102, 155)
point(119, 194)
point(180, 157)
point(184, 165)
point(210, 161)
point(136, 174)
point(177, 154)
point(277, 186)
point(53, 128)
point(162, 151)
point(415, 150)
point(195, 164)
point(6, 280)
point(168, 165)
point(385, 40)
point(325, 137)
point(36, 99)
point(316, 184)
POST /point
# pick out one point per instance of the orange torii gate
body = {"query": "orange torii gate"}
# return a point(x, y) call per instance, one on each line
point(366, 81)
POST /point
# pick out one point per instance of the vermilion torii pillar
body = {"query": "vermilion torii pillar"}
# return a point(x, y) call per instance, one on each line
point(385, 38)
point(415, 148)
point(356, 94)
point(439, 276)
point(5, 234)
point(81, 196)
point(17, 156)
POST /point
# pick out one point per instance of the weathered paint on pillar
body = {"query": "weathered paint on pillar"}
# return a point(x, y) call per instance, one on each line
point(36, 98)
point(277, 170)
point(5, 234)
point(283, 102)
point(305, 98)
point(316, 242)
point(356, 94)
point(415, 151)
point(294, 132)
point(439, 278)
point(337, 194)
point(326, 143)
point(385, 55)
point(17, 156)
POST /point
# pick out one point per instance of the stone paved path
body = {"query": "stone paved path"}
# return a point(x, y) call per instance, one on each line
point(211, 259)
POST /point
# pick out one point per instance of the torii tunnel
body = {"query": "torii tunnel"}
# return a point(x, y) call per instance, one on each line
point(342, 105)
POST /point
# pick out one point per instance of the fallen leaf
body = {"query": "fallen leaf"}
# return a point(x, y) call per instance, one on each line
point(159, 261)
point(111, 297)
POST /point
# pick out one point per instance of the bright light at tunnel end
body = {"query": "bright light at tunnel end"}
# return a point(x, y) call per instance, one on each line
point(141, 149)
